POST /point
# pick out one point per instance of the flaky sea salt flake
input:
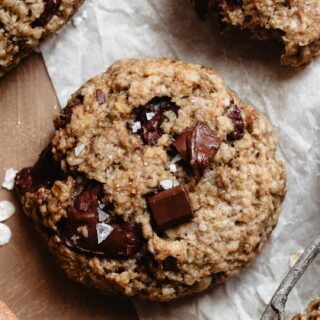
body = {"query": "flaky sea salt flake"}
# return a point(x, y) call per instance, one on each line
point(172, 167)
point(150, 115)
point(102, 215)
point(8, 181)
point(166, 184)
point(103, 231)
point(136, 126)
point(177, 158)
point(6, 210)
point(5, 234)
point(79, 149)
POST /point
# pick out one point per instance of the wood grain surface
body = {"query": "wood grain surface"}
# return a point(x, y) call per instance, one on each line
point(31, 283)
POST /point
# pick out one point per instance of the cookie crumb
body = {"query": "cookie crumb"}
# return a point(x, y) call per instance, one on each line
point(8, 181)
point(295, 257)
point(79, 149)
point(103, 231)
point(5, 234)
point(6, 210)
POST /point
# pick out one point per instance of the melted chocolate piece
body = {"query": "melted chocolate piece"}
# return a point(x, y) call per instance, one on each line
point(170, 208)
point(63, 118)
point(234, 113)
point(100, 96)
point(169, 264)
point(43, 174)
point(198, 146)
point(151, 130)
point(203, 8)
point(235, 3)
point(123, 241)
point(50, 8)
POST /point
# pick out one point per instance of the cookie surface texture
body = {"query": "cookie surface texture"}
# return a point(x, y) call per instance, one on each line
point(127, 210)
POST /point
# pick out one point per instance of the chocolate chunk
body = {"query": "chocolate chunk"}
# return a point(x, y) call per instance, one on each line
point(101, 98)
point(169, 264)
point(198, 146)
point(43, 174)
point(203, 8)
point(123, 241)
point(63, 118)
point(235, 3)
point(50, 8)
point(151, 117)
point(234, 113)
point(170, 208)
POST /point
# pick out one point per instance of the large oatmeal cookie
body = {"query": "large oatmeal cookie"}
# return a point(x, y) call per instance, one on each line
point(159, 181)
point(25, 23)
point(311, 313)
point(295, 23)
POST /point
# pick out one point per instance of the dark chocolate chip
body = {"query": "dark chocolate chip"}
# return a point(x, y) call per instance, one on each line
point(100, 96)
point(170, 208)
point(234, 113)
point(169, 264)
point(43, 174)
point(235, 3)
point(203, 8)
point(123, 241)
point(50, 8)
point(63, 118)
point(151, 130)
point(198, 146)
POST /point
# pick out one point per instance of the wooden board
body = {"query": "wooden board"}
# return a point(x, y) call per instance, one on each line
point(31, 283)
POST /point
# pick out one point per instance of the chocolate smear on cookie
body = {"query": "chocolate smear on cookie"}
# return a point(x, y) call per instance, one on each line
point(170, 208)
point(43, 174)
point(150, 117)
point(197, 146)
point(234, 113)
point(83, 232)
point(50, 8)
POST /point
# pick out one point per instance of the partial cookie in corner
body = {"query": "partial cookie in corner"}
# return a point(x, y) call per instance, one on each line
point(294, 23)
point(159, 181)
point(5, 312)
point(311, 313)
point(24, 24)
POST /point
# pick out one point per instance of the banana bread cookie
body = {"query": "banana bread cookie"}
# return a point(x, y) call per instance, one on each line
point(23, 24)
point(159, 181)
point(295, 23)
point(311, 313)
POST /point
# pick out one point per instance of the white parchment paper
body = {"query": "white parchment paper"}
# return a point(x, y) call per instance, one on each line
point(104, 31)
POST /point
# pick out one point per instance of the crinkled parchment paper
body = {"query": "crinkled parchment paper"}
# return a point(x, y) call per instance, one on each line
point(104, 31)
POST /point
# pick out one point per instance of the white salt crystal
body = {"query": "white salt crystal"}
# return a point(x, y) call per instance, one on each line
point(103, 231)
point(79, 149)
point(102, 215)
point(172, 167)
point(5, 234)
point(136, 126)
point(176, 158)
point(6, 210)
point(166, 184)
point(8, 181)
point(150, 115)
